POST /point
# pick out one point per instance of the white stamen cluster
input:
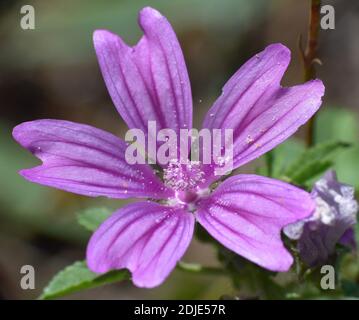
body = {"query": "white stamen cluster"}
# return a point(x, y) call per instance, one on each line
point(183, 176)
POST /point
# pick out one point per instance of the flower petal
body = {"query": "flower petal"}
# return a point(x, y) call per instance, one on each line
point(246, 214)
point(85, 160)
point(348, 239)
point(145, 237)
point(261, 113)
point(332, 222)
point(147, 82)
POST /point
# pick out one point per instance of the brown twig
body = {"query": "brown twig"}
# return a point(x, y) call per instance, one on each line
point(310, 58)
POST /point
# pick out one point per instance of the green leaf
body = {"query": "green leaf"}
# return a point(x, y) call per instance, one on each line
point(277, 160)
point(341, 123)
point(351, 289)
point(284, 155)
point(198, 268)
point(313, 161)
point(310, 171)
point(92, 218)
point(78, 277)
point(269, 160)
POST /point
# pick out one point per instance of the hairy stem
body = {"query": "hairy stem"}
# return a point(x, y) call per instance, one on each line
point(310, 57)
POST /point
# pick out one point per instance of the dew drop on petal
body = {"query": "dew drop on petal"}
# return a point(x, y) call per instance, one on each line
point(249, 139)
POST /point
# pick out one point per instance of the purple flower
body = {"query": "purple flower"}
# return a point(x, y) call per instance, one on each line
point(331, 223)
point(150, 82)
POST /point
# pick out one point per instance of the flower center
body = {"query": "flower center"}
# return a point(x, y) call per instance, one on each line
point(183, 177)
point(187, 196)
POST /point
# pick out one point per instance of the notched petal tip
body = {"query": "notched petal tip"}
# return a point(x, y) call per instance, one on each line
point(314, 91)
point(151, 20)
point(98, 34)
point(279, 52)
point(25, 173)
point(16, 134)
point(246, 214)
point(149, 13)
point(19, 131)
point(101, 36)
point(147, 81)
point(317, 87)
point(24, 132)
point(31, 174)
point(146, 238)
point(278, 47)
point(85, 160)
point(285, 264)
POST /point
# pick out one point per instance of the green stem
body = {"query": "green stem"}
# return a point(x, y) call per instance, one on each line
point(197, 268)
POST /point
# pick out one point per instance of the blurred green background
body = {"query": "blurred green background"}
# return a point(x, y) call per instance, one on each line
point(52, 72)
